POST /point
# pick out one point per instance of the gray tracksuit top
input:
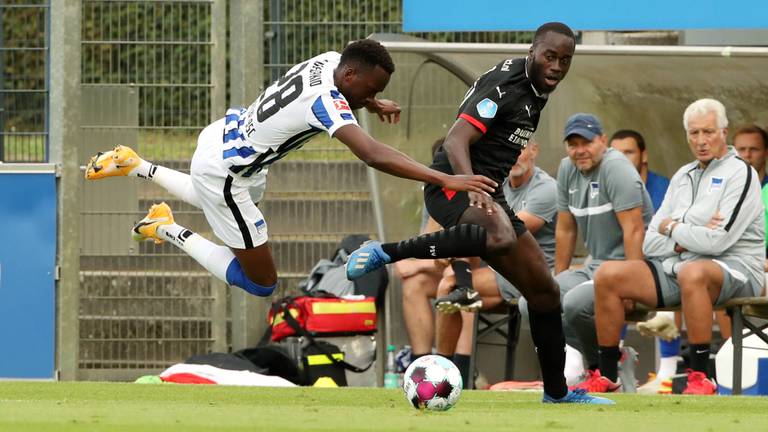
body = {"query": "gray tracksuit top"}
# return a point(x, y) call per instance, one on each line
point(728, 185)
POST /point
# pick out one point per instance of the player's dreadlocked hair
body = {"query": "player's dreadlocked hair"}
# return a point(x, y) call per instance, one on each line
point(556, 27)
point(370, 53)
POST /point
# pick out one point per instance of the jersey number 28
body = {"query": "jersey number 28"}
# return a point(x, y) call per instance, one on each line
point(289, 86)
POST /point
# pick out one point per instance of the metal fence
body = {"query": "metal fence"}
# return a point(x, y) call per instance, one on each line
point(146, 83)
point(152, 75)
point(24, 81)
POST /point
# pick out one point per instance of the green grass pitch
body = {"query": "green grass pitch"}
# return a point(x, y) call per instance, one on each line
point(64, 407)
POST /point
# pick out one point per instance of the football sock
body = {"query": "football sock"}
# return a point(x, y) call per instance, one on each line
point(175, 182)
point(462, 362)
point(669, 348)
point(549, 340)
point(668, 351)
point(144, 170)
point(216, 259)
point(609, 362)
point(574, 364)
point(667, 367)
point(463, 273)
point(415, 356)
point(700, 357)
point(460, 241)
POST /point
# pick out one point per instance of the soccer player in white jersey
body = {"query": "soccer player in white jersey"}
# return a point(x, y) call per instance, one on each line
point(233, 154)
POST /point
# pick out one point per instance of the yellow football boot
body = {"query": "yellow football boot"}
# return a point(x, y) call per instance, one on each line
point(146, 229)
point(118, 162)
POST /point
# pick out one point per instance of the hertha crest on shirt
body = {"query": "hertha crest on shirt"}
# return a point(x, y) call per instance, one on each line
point(341, 105)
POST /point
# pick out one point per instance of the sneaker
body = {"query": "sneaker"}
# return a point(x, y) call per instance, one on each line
point(461, 298)
point(699, 384)
point(118, 162)
point(578, 396)
point(366, 259)
point(627, 365)
point(593, 382)
point(146, 229)
point(661, 325)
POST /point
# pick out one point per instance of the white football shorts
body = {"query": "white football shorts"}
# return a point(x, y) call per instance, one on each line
point(225, 197)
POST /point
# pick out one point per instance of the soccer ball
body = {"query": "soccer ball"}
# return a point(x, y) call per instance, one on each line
point(432, 382)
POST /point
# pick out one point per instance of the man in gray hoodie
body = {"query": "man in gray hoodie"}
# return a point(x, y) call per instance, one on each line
point(705, 245)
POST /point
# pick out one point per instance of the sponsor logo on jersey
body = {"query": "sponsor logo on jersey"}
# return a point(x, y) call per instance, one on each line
point(520, 136)
point(594, 189)
point(715, 184)
point(341, 105)
point(487, 108)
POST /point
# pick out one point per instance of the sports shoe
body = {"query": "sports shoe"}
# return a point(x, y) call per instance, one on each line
point(627, 365)
point(661, 325)
point(366, 259)
point(699, 384)
point(146, 229)
point(578, 396)
point(656, 385)
point(461, 298)
point(595, 383)
point(118, 162)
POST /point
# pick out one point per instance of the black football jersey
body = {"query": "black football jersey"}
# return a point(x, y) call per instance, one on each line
point(505, 107)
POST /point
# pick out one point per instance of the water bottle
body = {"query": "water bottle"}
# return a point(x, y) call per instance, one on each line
point(390, 369)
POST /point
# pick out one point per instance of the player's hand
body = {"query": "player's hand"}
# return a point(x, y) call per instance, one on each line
point(469, 183)
point(715, 221)
point(482, 201)
point(387, 110)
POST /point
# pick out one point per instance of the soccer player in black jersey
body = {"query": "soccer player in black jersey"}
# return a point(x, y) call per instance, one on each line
point(498, 115)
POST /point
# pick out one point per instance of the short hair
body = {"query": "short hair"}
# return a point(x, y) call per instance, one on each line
point(753, 129)
point(703, 107)
point(370, 53)
point(554, 26)
point(629, 133)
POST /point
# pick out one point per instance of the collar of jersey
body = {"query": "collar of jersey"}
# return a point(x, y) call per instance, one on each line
point(536, 92)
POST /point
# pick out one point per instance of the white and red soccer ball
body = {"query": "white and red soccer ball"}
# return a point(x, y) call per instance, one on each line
point(432, 382)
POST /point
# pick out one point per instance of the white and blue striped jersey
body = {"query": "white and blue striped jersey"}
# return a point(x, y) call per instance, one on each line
point(289, 112)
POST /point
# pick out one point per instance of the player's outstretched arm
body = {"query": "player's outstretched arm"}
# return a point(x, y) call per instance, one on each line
point(391, 161)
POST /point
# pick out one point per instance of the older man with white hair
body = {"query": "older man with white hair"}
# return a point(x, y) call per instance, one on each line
point(705, 245)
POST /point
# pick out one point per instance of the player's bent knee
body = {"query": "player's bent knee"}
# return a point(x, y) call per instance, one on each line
point(500, 244)
point(237, 277)
point(545, 300)
point(608, 276)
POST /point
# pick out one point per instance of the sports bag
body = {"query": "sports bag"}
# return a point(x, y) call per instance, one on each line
point(321, 315)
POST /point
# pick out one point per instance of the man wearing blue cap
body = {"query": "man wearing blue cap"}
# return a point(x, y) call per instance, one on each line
point(600, 194)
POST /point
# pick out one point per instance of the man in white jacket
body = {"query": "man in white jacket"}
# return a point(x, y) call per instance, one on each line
point(705, 245)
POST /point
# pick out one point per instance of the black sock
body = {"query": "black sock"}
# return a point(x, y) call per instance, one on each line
point(462, 362)
point(549, 339)
point(463, 273)
point(700, 357)
point(415, 356)
point(609, 362)
point(461, 241)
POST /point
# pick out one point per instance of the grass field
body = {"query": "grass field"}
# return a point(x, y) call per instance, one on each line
point(64, 407)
